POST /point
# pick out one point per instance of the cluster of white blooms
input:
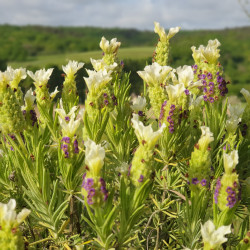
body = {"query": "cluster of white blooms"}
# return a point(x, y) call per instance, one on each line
point(97, 79)
point(71, 68)
point(155, 74)
point(213, 238)
point(162, 34)
point(210, 53)
point(8, 216)
point(146, 133)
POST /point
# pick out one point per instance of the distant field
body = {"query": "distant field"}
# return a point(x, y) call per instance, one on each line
point(62, 59)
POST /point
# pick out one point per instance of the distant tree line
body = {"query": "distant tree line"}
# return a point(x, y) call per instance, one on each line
point(20, 43)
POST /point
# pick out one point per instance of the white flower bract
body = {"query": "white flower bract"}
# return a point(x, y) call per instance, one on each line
point(94, 157)
point(206, 138)
point(155, 74)
point(146, 133)
point(139, 103)
point(97, 79)
point(8, 216)
point(61, 112)
point(71, 68)
point(41, 76)
point(212, 237)
point(175, 91)
point(230, 161)
point(102, 65)
point(29, 99)
point(109, 47)
point(162, 34)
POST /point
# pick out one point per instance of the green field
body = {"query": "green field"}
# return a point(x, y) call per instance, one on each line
point(133, 53)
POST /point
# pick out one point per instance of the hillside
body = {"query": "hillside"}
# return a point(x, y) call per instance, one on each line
point(36, 46)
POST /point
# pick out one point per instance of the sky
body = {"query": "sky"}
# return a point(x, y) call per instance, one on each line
point(139, 14)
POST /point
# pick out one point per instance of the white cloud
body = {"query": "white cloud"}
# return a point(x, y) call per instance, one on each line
point(189, 14)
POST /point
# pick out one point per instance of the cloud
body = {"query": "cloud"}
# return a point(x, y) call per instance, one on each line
point(189, 14)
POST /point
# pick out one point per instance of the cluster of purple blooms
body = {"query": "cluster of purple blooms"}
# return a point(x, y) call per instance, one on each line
point(65, 146)
point(231, 198)
point(244, 129)
point(106, 101)
point(170, 119)
point(162, 112)
point(32, 116)
point(195, 181)
point(217, 189)
point(141, 178)
point(88, 185)
point(209, 85)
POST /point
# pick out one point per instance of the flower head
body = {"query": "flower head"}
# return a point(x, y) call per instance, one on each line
point(145, 134)
point(109, 47)
point(69, 128)
point(61, 112)
point(162, 34)
point(206, 138)
point(54, 93)
point(16, 75)
point(94, 157)
point(71, 68)
point(29, 99)
point(8, 216)
point(186, 76)
point(155, 74)
point(213, 238)
point(5, 78)
point(41, 76)
point(102, 65)
point(97, 80)
point(175, 91)
point(230, 161)
point(139, 103)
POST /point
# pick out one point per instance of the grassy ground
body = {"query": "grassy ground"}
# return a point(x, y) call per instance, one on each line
point(62, 59)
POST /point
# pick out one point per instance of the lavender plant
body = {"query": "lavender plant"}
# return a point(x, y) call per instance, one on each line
point(166, 170)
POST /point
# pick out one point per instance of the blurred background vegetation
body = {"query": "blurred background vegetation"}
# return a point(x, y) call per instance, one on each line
point(36, 47)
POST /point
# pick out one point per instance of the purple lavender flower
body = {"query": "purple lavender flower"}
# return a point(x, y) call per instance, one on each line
point(141, 178)
point(76, 149)
point(195, 66)
point(66, 139)
point(209, 75)
point(171, 130)
point(202, 76)
point(171, 113)
point(90, 201)
point(140, 113)
point(211, 84)
point(205, 98)
point(172, 107)
point(105, 95)
point(217, 189)
point(205, 90)
point(169, 118)
point(24, 112)
point(204, 82)
point(186, 91)
point(219, 79)
point(162, 110)
point(106, 102)
point(211, 99)
point(195, 181)
point(66, 154)
point(67, 118)
point(91, 192)
point(203, 182)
